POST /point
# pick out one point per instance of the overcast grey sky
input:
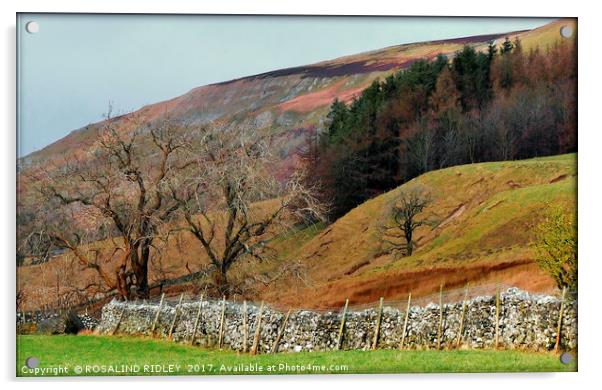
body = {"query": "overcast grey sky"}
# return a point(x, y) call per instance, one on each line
point(76, 64)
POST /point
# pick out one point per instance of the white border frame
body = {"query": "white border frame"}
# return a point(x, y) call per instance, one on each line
point(589, 134)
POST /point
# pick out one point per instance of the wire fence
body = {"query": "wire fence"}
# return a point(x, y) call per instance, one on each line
point(447, 296)
point(490, 322)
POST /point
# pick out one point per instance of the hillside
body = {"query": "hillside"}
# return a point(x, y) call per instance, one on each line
point(292, 101)
point(485, 211)
point(486, 215)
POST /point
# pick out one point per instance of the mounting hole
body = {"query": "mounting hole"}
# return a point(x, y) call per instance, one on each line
point(32, 27)
point(566, 31)
point(32, 362)
point(566, 358)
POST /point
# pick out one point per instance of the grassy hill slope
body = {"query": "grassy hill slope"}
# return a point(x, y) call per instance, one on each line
point(486, 215)
point(485, 212)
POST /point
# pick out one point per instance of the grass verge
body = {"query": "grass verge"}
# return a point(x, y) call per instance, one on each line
point(111, 355)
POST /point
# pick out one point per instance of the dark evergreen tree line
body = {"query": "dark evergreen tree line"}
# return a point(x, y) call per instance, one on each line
point(498, 104)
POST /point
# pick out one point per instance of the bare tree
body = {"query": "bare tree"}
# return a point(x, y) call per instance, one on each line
point(233, 204)
point(421, 148)
point(21, 297)
point(404, 218)
point(121, 191)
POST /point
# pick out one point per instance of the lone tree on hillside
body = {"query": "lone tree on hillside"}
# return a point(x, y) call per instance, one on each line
point(116, 195)
point(556, 246)
point(404, 220)
point(232, 202)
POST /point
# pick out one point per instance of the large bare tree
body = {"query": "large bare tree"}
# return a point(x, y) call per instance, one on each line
point(120, 190)
point(404, 217)
point(232, 202)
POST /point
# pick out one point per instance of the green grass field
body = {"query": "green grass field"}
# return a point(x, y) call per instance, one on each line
point(106, 355)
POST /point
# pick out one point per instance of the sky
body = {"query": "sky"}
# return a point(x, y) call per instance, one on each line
point(76, 64)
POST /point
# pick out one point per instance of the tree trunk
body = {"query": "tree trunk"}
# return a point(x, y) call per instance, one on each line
point(142, 271)
point(138, 283)
point(122, 285)
point(409, 243)
point(221, 282)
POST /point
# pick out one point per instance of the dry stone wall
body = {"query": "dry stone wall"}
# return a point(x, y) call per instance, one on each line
point(526, 321)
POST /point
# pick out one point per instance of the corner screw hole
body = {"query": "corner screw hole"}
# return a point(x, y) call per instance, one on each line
point(566, 31)
point(32, 27)
point(566, 358)
point(32, 362)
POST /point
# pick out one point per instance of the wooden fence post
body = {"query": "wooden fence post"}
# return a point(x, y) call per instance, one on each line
point(220, 339)
point(342, 327)
point(257, 331)
point(245, 328)
point(497, 316)
point(175, 316)
point(440, 327)
point(405, 321)
point(281, 332)
point(461, 330)
point(154, 325)
point(198, 318)
point(557, 346)
point(377, 328)
point(118, 321)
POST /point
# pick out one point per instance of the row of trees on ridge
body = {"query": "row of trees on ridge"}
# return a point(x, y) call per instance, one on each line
point(499, 104)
